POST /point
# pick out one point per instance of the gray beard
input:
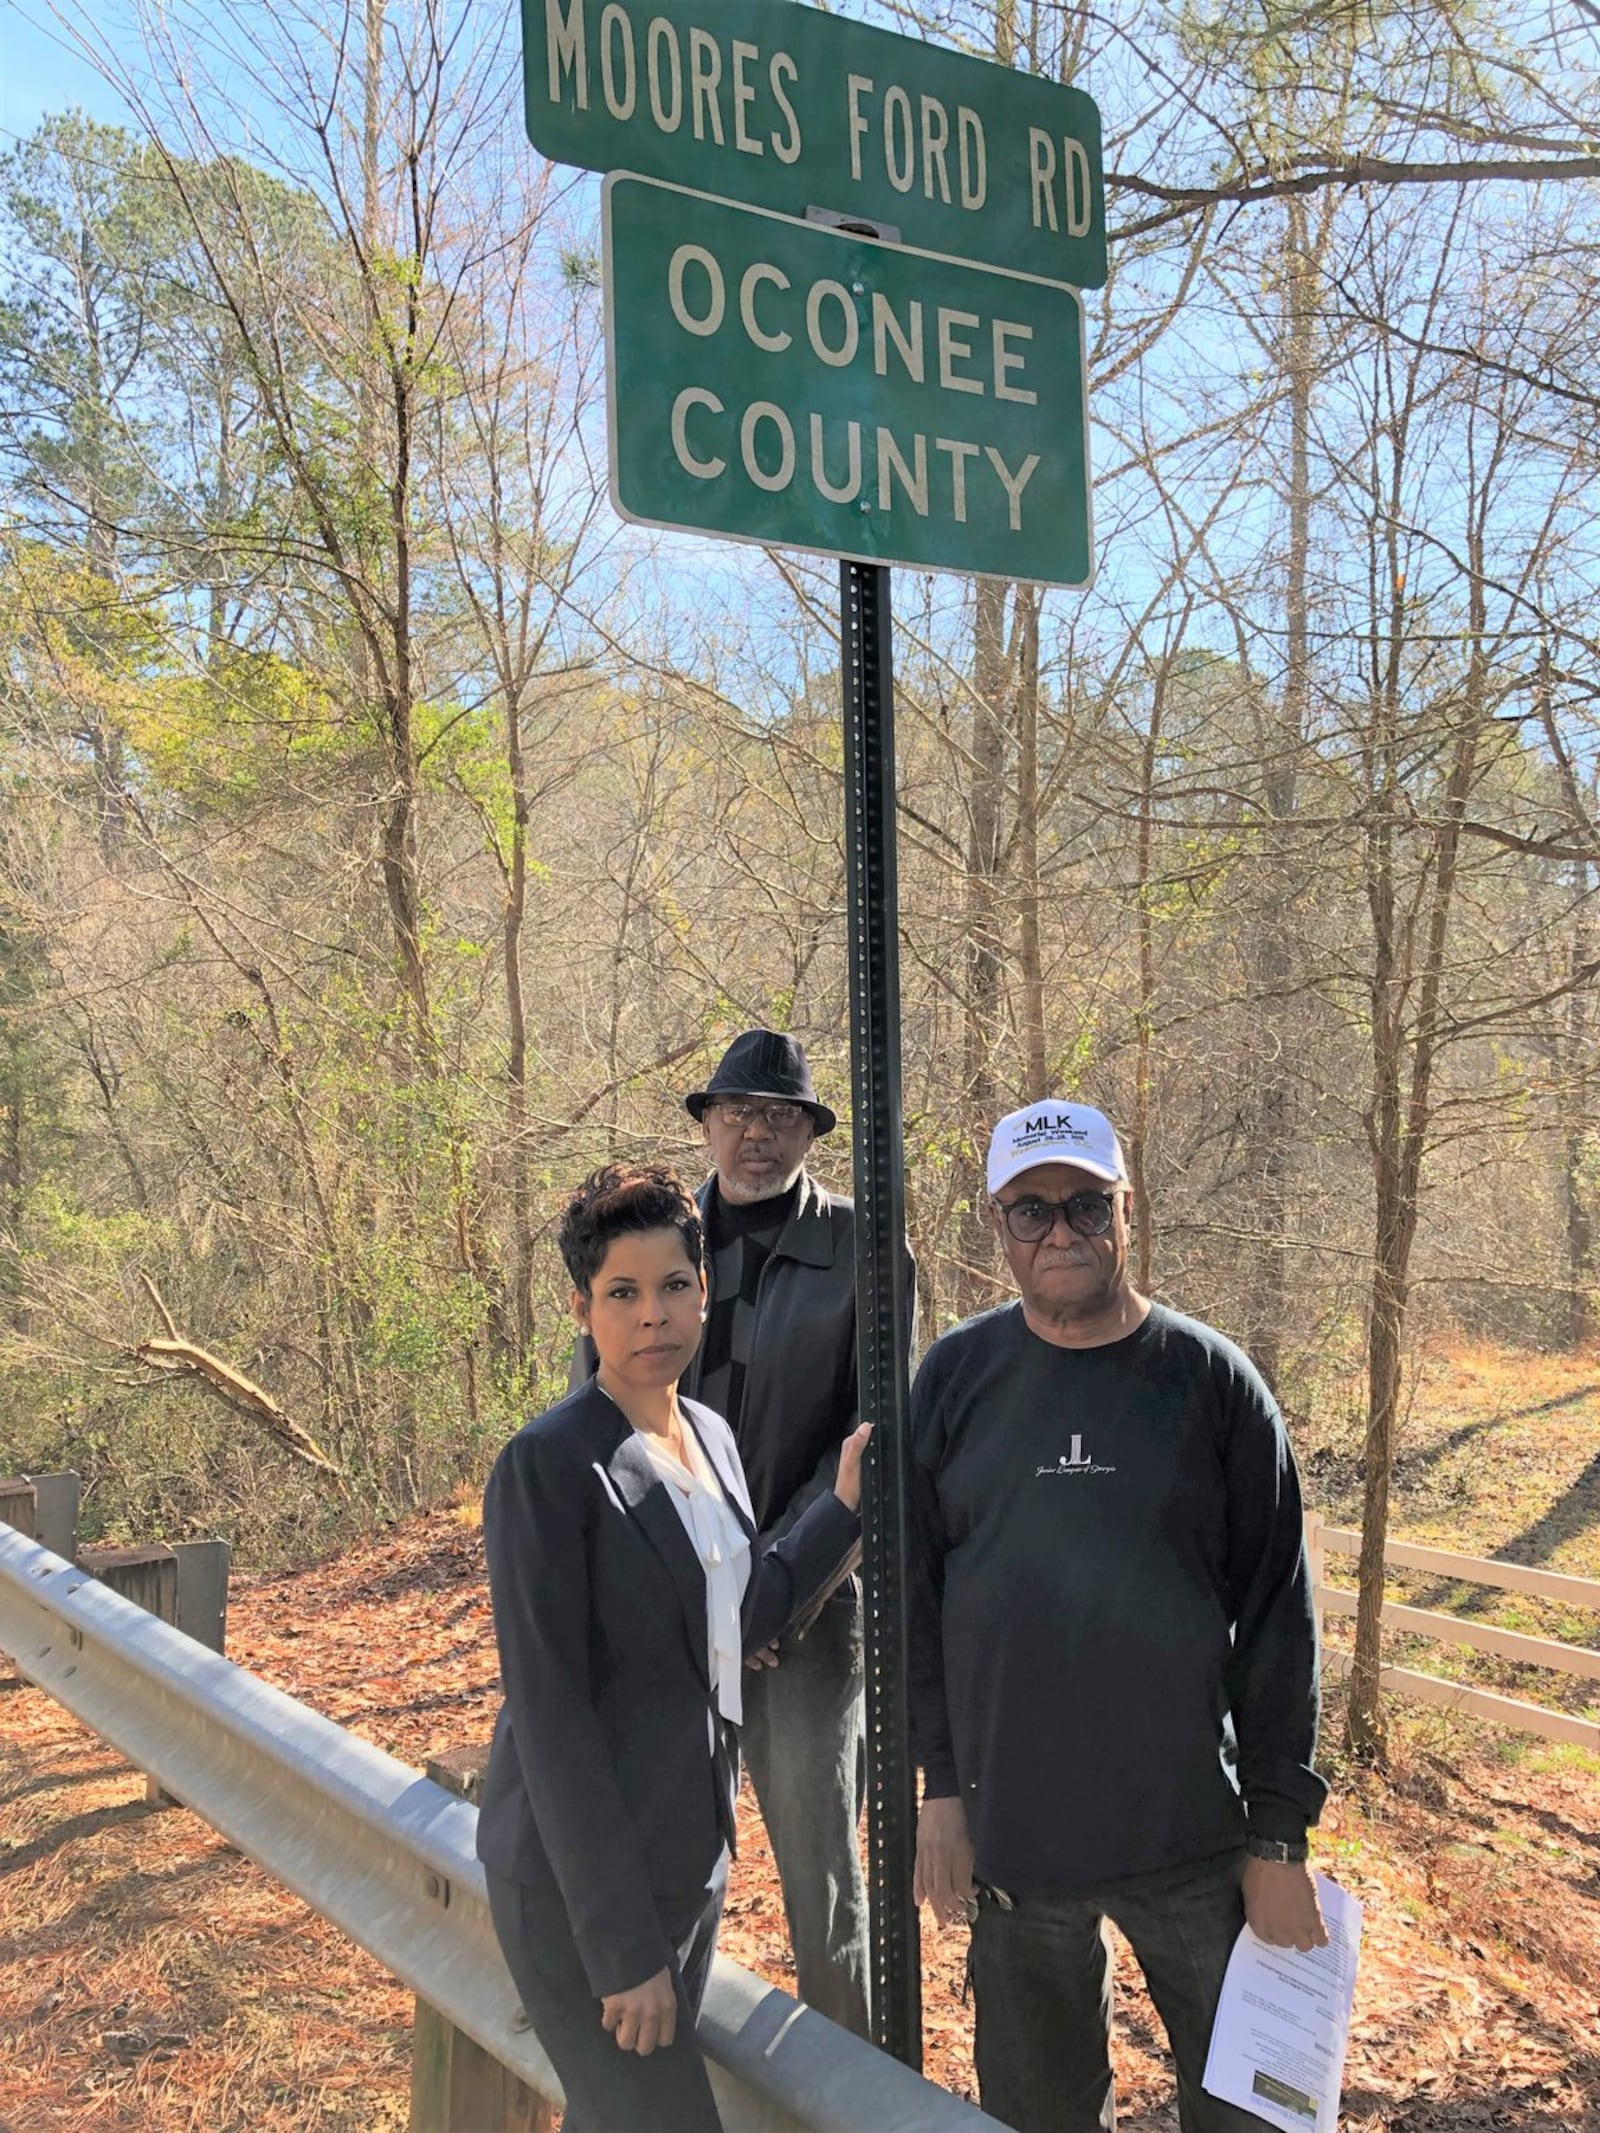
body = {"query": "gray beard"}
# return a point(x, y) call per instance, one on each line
point(749, 1195)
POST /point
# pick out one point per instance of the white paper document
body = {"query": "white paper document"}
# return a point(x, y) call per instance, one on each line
point(1283, 2021)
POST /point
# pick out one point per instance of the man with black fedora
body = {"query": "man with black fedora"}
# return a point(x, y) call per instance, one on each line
point(779, 1360)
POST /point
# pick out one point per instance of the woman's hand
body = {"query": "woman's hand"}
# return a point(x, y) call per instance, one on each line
point(848, 1485)
point(643, 2017)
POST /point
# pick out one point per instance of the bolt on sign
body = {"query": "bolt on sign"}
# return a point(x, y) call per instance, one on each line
point(785, 107)
point(807, 387)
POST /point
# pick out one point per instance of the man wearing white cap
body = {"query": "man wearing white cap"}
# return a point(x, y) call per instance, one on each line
point(1113, 1650)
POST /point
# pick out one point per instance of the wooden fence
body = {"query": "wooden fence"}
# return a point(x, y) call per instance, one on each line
point(1323, 1540)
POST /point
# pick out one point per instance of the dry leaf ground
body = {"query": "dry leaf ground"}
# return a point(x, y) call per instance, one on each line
point(152, 1981)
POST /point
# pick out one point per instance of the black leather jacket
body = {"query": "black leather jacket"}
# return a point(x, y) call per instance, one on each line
point(799, 1400)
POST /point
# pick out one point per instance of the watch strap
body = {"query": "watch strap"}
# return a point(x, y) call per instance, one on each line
point(1277, 1850)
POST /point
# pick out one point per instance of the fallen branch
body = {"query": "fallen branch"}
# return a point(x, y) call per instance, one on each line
point(176, 1356)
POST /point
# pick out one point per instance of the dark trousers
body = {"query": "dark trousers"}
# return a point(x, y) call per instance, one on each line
point(804, 1745)
point(1041, 1978)
point(609, 2090)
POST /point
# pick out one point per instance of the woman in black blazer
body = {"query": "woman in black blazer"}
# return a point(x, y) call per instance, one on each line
point(627, 1590)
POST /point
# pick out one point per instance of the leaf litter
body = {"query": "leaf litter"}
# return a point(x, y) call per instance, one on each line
point(154, 1981)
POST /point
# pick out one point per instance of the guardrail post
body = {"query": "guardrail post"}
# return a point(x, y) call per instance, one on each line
point(203, 1590)
point(56, 1513)
point(146, 1576)
point(149, 1578)
point(456, 2087)
point(19, 1510)
point(19, 1506)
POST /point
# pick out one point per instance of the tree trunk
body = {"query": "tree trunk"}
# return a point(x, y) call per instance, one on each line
point(986, 843)
point(1403, 1115)
point(1575, 1134)
point(1036, 1067)
point(984, 940)
point(1573, 1049)
point(519, 1316)
point(1138, 1137)
point(1282, 739)
point(13, 1199)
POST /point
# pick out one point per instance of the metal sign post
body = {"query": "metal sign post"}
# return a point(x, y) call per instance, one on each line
point(815, 386)
point(883, 1301)
point(842, 314)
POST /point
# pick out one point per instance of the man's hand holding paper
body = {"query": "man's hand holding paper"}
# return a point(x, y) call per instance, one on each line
point(1280, 1905)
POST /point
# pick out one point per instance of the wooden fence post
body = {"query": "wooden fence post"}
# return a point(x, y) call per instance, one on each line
point(456, 2087)
point(1317, 1563)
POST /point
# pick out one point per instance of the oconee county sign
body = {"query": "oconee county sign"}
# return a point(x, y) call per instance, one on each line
point(783, 382)
point(785, 107)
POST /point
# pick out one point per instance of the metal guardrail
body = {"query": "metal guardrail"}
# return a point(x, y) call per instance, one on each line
point(387, 1855)
point(1323, 1540)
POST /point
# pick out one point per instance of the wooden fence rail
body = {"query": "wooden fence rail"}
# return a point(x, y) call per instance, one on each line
point(1323, 1540)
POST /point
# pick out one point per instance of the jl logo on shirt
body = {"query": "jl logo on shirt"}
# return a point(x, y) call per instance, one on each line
point(1077, 1461)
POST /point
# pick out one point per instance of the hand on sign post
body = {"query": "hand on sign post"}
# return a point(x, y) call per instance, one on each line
point(847, 1485)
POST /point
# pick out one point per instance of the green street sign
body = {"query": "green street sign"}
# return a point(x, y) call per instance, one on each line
point(796, 385)
point(781, 106)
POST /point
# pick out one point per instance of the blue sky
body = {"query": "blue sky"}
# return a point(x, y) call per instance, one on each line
point(40, 73)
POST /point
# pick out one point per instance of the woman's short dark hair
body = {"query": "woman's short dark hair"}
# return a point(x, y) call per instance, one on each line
point(620, 1199)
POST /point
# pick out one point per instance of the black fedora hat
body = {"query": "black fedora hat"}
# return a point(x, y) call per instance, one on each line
point(763, 1062)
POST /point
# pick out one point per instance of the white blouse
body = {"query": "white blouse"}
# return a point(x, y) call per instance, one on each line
point(723, 1549)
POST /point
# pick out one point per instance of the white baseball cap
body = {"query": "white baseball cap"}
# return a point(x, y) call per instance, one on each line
point(1054, 1132)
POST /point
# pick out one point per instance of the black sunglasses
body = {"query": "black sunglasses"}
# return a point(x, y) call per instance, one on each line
point(1030, 1221)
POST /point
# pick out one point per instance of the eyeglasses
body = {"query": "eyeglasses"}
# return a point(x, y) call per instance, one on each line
point(1030, 1221)
point(779, 1113)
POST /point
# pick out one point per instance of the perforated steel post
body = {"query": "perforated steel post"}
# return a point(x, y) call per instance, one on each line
point(883, 1303)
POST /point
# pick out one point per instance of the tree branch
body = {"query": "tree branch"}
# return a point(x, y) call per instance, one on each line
point(1357, 170)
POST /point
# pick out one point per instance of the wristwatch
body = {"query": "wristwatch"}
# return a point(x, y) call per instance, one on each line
point(1278, 1852)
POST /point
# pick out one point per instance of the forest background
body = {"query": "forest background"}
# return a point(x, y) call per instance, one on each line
point(388, 833)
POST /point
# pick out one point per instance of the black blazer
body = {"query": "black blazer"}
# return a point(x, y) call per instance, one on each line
point(602, 1796)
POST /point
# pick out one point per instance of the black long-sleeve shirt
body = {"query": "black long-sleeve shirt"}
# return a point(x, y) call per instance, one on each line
point(1111, 1627)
